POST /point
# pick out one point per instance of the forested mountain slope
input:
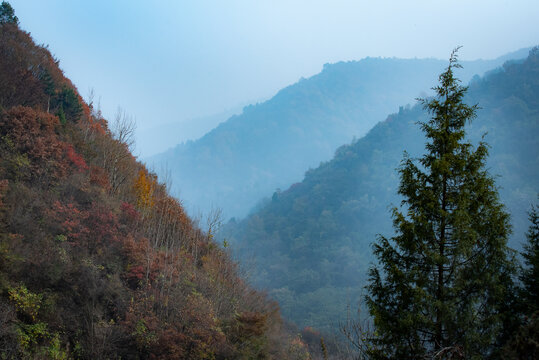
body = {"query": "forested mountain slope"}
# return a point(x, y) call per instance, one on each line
point(97, 261)
point(311, 243)
point(270, 145)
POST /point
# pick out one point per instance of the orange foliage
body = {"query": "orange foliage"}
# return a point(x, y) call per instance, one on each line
point(171, 209)
point(144, 187)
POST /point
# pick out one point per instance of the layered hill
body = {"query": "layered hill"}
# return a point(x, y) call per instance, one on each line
point(271, 144)
point(188, 130)
point(97, 260)
point(311, 243)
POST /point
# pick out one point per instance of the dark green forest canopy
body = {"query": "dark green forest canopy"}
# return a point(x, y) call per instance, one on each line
point(311, 242)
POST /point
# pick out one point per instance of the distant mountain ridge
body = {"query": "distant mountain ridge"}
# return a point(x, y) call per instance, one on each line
point(311, 242)
point(174, 133)
point(271, 144)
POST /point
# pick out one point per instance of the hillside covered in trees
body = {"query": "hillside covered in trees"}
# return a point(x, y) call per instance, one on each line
point(310, 244)
point(97, 260)
point(271, 144)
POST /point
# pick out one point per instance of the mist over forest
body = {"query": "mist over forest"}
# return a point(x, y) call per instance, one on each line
point(382, 208)
point(270, 145)
point(310, 243)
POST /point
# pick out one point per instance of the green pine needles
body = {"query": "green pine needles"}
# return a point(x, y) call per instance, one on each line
point(442, 280)
point(529, 276)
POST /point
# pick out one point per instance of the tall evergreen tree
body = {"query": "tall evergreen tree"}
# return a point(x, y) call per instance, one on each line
point(523, 332)
point(444, 275)
point(530, 273)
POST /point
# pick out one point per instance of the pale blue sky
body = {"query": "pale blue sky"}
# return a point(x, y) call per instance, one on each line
point(169, 61)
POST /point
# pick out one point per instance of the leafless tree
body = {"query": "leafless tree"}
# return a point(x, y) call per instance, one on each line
point(123, 129)
point(358, 331)
point(115, 152)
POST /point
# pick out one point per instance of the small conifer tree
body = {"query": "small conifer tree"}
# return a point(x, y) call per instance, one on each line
point(441, 281)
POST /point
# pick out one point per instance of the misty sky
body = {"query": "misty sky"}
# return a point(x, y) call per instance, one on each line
point(170, 61)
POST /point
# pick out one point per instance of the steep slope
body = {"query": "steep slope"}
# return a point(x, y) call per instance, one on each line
point(97, 261)
point(271, 144)
point(310, 243)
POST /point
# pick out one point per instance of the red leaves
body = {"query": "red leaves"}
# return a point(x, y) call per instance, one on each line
point(140, 259)
point(71, 220)
point(99, 177)
point(134, 276)
point(129, 213)
point(33, 133)
point(76, 159)
point(103, 224)
point(136, 272)
point(92, 228)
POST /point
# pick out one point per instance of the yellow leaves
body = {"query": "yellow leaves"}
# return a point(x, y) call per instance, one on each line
point(25, 302)
point(144, 188)
point(29, 335)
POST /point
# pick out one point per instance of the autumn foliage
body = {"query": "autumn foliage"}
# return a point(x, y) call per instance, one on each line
point(96, 259)
point(144, 187)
